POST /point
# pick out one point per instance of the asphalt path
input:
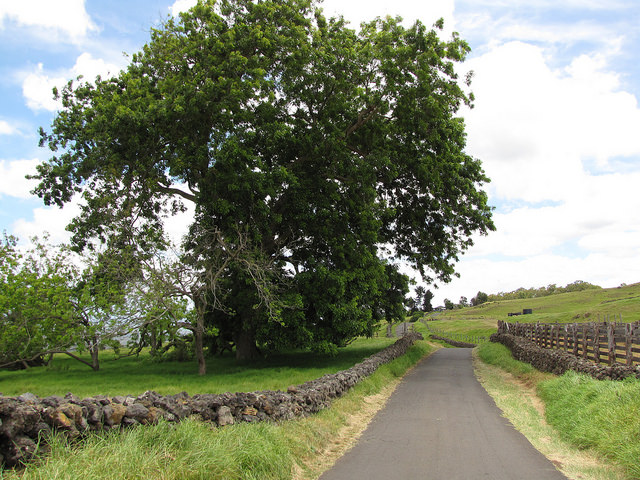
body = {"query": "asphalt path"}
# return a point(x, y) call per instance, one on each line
point(441, 424)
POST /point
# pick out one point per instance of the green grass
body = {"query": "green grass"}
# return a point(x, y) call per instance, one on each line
point(584, 306)
point(194, 450)
point(498, 355)
point(603, 415)
point(133, 376)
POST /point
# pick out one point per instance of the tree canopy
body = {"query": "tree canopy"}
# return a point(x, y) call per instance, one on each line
point(327, 154)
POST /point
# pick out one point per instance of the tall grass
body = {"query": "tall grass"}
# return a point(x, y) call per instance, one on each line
point(600, 414)
point(194, 450)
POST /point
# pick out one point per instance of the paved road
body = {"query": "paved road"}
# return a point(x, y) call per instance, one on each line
point(441, 424)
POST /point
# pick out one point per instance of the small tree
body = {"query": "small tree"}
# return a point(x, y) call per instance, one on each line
point(426, 302)
point(448, 304)
point(479, 299)
point(54, 301)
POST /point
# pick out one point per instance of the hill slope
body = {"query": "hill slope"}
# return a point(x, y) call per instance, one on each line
point(583, 306)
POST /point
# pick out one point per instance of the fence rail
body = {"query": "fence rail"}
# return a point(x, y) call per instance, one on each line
point(600, 342)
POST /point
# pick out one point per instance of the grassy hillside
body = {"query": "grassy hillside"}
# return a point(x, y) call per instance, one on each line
point(584, 306)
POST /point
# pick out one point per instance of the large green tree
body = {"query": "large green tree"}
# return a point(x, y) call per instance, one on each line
point(318, 149)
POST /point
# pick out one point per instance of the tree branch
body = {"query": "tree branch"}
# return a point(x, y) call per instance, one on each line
point(363, 117)
point(176, 191)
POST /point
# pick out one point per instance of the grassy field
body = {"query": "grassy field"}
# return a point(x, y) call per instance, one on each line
point(133, 376)
point(192, 450)
point(584, 306)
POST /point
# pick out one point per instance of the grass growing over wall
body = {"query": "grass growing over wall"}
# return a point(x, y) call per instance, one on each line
point(600, 414)
point(133, 375)
point(194, 450)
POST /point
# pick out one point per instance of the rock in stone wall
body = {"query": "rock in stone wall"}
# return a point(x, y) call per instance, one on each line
point(559, 361)
point(26, 420)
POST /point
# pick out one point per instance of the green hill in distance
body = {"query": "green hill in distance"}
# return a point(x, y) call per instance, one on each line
point(583, 306)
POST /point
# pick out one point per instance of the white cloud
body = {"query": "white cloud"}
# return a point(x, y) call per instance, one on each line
point(181, 6)
point(37, 89)
point(90, 68)
point(13, 181)
point(66, 17)
point(37, 86)
point(52, 220)
point(491, 276)
point(534, 127)
point(7, 129)
point(177, 226)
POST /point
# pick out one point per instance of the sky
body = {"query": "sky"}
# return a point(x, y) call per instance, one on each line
point(556, 122)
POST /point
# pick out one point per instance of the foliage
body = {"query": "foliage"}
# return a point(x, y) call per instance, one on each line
point(479, 299)
point(551, 289)
point(307, 142)
point(34, 304)
point(422, 301)
point(55, 301)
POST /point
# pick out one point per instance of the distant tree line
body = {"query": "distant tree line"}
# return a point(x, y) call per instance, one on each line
point(551, 289)
point(520, 293)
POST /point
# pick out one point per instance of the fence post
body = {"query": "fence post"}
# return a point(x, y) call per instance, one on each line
point(547, 336)
point(596, 342)
point(628, 340)
point(574, 334)
point(538, 334)
point(585, 343)
point(611, 342)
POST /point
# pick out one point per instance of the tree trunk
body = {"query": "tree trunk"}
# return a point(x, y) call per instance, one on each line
point(95, 361)
point(199, 333)
point(246, 349)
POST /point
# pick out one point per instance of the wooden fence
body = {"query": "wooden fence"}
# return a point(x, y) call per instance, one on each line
point(600, 342)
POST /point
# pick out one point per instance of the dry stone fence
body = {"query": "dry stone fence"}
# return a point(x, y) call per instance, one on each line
point(604, 351)
point(25, 421)
point(600, 342)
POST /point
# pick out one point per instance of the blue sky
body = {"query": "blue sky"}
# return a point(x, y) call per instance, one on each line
point(556, 122)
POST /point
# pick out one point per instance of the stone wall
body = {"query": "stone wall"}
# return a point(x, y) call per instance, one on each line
point(26, 420)
point(559, 361)
point(453, 343)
